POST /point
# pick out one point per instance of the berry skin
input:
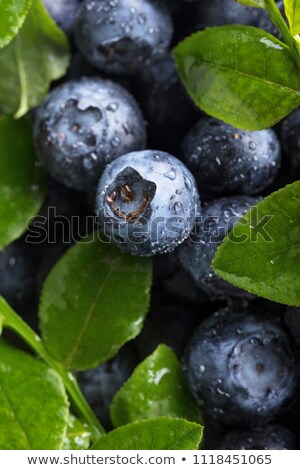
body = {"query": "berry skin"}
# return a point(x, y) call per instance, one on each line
point(226, 160)
point(83, 125)
point(196, 254)
point(17, 274)
point(292, 321)
point(221, 12)
point(147, 202)
point(120, 36)
point(271, 437)
point(290, 140)
point(159, 88)
point(240, 367)
point(64, 13)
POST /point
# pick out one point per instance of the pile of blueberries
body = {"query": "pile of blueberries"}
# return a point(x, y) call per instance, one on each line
point(120, 134)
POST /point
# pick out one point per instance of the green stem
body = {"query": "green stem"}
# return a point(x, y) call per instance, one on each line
point(12, 321)
point(278, 20)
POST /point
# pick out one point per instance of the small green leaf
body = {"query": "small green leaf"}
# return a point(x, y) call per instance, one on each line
point(263, 254)
point(292, 11)
point(78, 437)
point(239, 74)
point(21, 182)
point(153, 434)
point(156, 388)
point(33, 403)
point(94, 301)
point(253, 3)
point(13, 14)
point(36, 56)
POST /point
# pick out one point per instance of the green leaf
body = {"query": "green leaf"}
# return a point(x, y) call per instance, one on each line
point(21, 182)
point(13, 14)
point(33, 403)
point(153, 434)
point(266, 260)
point(157, 387)
point(239, 74)
point(292, 11)
point(78, 437)
point(36, 56)
point(94, 300)
point(253, 3)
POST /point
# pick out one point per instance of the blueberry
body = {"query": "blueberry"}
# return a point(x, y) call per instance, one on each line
point(147, 202)
point(270, 437)
point(99, 385)
point(64, 13)
point(226, 160)
point(240, 367)
point(120, 36)
point(221, 12)
point(159, 88)
point(290, 140)
point(83, 125)
point(292, 321)
point(17, 274)
point(196, 254)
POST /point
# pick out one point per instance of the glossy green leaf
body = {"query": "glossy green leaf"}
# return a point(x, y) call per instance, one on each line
point(33, 403)
point(253, 3)
point(157, 387)
point(94, 300)
point(263, 254)
point(292, 11)
point(78, 437)
point(36, 56)
point(153, 434)
point(239, 74)
point(12, 17)
point(21, 182)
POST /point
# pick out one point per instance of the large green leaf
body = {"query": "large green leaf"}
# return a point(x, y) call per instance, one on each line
point(292, 11)
point(13, 14)
point(21, 182)
point(157, 387)
point(153, 434)
point(266, 261)
point(33, 403)
point(253, 3)
point(78, 436)
point(36, 56)
point(239, 74)
point(94, 300)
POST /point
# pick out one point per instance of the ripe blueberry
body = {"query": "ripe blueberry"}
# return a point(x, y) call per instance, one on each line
point(83, 125)
point(270, 437)
point(226, 160)
point(196, 254)
point(290, 140)
point(147, 202)
point(64, 13)
point(119, 36)
point(240, 367)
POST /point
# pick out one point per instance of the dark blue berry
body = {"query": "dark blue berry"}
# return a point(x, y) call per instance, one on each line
point(64, 13)
point(270, 437)
point(221, 12)
point(196, 254)
point(240, 367)
point(226, 160)
point(290, 141)
point(292, 321)
point(83, 125)
point(147, 202)
point(120, 36)
point(17, 274)
point(158, 89)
